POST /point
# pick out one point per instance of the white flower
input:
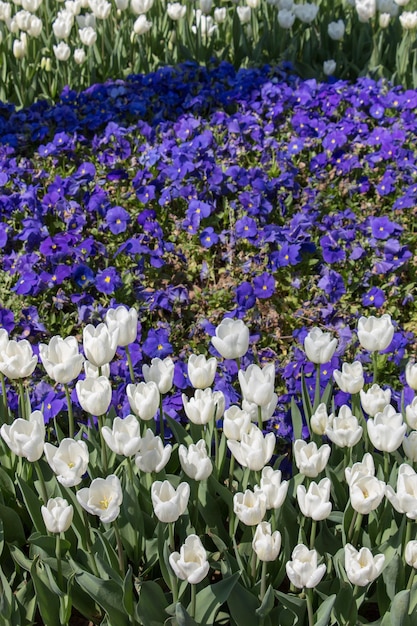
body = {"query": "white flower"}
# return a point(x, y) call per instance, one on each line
point(286, 18)
point(405, 499)
point(235, 422)
point(375, 399)
point(201, 371)
point(266, 543)
point(26, 437)
point(100, 8)
point(257, 384)
point(206, 6)
point(161, 371)
point(17, 359)
point(384, 20)
point(141, 25)
point(319, 420)
point(361, 567)
point(244, 14)
point(169, 503)
point(103, 498)
point(329, 67)
point(336, 30)
point(309, 459)
point(411, 374)
point(61, 359)
point(232, 338)
point(344, 429)
point(204, 406)
point(250, 507)
point(141, 6)
point(190, 563)
point(143, 399)
point(124, 436)
point(220, 15)
point(195, 461)
point(366, 467)
point(319, 346)
point(366, 493)
point(94, 394)
point(274, 488)
point(315, 502)
point(91, 371)
point(366, 9)
point(69, 461)
point(410, 553)
point(126, 321)
point(79, 56)
point(410, 446)
point(306, 12)
point(100, 343)
point(375, 333)
point(350, 379)
point(254, 450)
point(176, 10)
point(57, 515)
point(267, 410)
point(63, 24)
point(411, 413)
point(408, 20)
point(152, 455)
point(303, 570)
point(387, 429)
point(88, 36)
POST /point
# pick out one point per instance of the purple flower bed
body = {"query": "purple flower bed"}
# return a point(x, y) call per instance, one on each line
point(195, 194)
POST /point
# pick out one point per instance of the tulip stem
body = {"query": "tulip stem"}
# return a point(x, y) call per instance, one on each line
point(161, 420)
point(375, 366)
point(231, 471)
point(102, 443)
point(174, 582)
point(386, 465)
point(4, 398)
point(310, 613)
point(22, 399)
point(42, 482)
point(119, 548)
point(59, 560)
point(70, 412)
point(411, 579)
point(260, 423)
point(316, 391)
point(263, 581)
point(193, 601)
point(357, 528)
point(130, 364)
point(313, 533)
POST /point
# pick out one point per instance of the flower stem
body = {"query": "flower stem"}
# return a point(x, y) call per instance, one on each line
point(375, 366)
point(130, 364)
point(313, 534)
point(316, 389)
point(4, 398)
point(120, 553)
point(59, 560)
point(260, 423)
point(22, 400)
point(411, 579)
point(70, 412)
point(263, 581)
point(161, 420)
point(357, 529)
point(310, 613)
point(42, 482)
point(193, 601)
point(102, 443)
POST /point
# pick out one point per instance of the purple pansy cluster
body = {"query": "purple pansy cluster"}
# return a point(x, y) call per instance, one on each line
point(193, 193)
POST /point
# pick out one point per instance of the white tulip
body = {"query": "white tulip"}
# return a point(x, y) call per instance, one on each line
point(100, 343)
point(103, 498)
point(91, 371)
point(336, 30)
point(61, 359)
point(366, 493)
point(267, 410)
point(319, 346)
point(375, 333)
point(79, 56)
point(57, 515)
point(236, 422)
point(26, 437)
point(361, 567)
point(410, 553)
point(195, 461)
point(88, 36)
point(220, 15)
point(94, 394)
point(126, 321)
point(232, 338)
point(315, 502)
point(408, 20)
point(63, 24)
point(204, 406)
point(366, 9)
point(375, 399)
point(152, 455)
point(309, 459)
point(319, 420)
point(124, 436)
point(350, 379)
point(344, 429)
point(161, 371)
point(244, 14)
point(274, 488)
point(201, 371)
point(206, 6)
point(384, 20)
point(190, 563)
point(69, 461)
point(405, 499)
point(254, 450)
point(306, 12)
point(329, 67)
point(169, 503)
point(35, 26)
point(286, 18)
point(62, 51)
point(17, 359)
point(141, 6)
point(387, 429)
point(366, 467)
point(31, 5)
point(303, 570)
point(250, 507)
point(411, 413)
point(257, 384)
point(143, 399)
point(176, 11)
point(410, 446)
point(100, 8)
point(411, 374)
point(266, 544)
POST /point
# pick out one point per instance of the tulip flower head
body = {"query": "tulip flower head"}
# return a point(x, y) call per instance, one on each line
point(94, 394)
point(350, 379)
point(254, 450)
point(17, 359)
point(124, 436)
point(201, 371)
point(232, 338)
point(250, 507)
point(190, 563)
point(303, 570)
point(143, 399)
point(375, 399)
point(125, 321)
point(102, 498)
point(361, 567)
point(195, 461)
point(257, 384)
point(343, 429)
point(274, 488)
point(161, 372)
point(204, 406)
point(387, 429)
point(266, 544)
point(152, 455)
point(319, 346)
point(69, 461)
point(315, 502)
point(169, 503)
point(375, 333)
point(309, 459)
point(26, 437)
point(57, 515)
point(100, 343)
point(61, 359)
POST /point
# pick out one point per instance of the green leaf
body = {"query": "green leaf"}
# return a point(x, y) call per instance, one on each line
point(242, 603)
point(107, 593)
point(12, 525)
point(297, 420)
point(210, 599)
point(128, 599)
point(150, 609)
point(344, 608)
point(295, 604)
point(267, 603)
point(6, 483)
point(33, 505)
point(183, 618)
point(323, 614)
point(48, 603)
